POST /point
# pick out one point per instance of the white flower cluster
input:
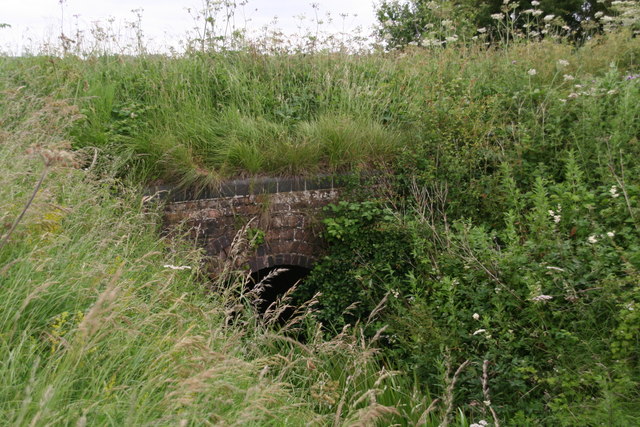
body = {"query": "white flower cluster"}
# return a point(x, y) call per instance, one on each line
point(614, 191)
point(593, 239)
point(556, 214)
point(481, 423)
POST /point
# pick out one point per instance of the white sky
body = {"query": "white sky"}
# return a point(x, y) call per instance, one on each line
point(164, 21)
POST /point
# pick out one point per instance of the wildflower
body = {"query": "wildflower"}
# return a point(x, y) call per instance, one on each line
point(497, 16)
point(568, 77)
point(632, 76)
point(446, 23)
point(563, 62)
point(573, 95)
point(537, 13)
point(532, 72)
point(566, 28)
point(551, 212)
point(430, 42)
point(598, 15)
point(563, 100)
point(451, 39)
point(540, 298)
point(479, 331)
point(476, 316)
point(607, 19)
point(612, 92)
point(614, 191)
point(592, 239)
point(611, 234)
point(535, 3)
point(482, 30)
point(548, 18)
point(481, 423)
point(528, 11)
point(557, 218)
point(177, 267)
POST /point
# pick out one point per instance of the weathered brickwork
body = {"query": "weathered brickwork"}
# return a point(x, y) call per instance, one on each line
point(287, 220)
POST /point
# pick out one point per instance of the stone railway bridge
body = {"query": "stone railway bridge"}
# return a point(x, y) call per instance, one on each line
point(282, 211)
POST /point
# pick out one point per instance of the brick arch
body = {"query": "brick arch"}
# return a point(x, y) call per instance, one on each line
point(258, 263)
point(284, 252)
point(286, 212)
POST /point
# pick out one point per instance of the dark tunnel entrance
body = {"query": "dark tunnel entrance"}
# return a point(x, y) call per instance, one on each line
point(273, 282)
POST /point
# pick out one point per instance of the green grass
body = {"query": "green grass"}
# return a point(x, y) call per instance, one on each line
point(95, 330)
point(200, 118)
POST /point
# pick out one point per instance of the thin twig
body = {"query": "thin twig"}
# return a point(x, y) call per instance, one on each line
point(95, 159)
point(621, 182)
point(448, 395)
point(5, 239)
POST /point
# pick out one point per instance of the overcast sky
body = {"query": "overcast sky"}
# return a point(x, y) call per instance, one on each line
point(163, 21)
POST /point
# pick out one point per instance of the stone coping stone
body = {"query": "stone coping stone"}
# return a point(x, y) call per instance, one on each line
point(253, 186)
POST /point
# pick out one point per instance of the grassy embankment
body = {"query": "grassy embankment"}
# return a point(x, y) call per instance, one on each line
point(198, 118)
point(96, 330)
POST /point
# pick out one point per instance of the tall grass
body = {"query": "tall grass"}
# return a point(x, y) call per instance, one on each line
point(98, 328)
point(198, 118)
point(104, 323)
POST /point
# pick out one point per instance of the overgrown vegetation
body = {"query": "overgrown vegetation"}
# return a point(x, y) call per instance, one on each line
point(489, 275)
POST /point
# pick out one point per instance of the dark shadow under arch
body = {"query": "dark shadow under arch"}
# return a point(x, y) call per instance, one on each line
point(278, 284)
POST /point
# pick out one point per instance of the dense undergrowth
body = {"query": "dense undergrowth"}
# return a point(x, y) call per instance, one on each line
point(105, 323)
point(502, 237)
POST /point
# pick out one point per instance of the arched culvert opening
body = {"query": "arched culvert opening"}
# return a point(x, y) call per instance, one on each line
point(274, 282)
